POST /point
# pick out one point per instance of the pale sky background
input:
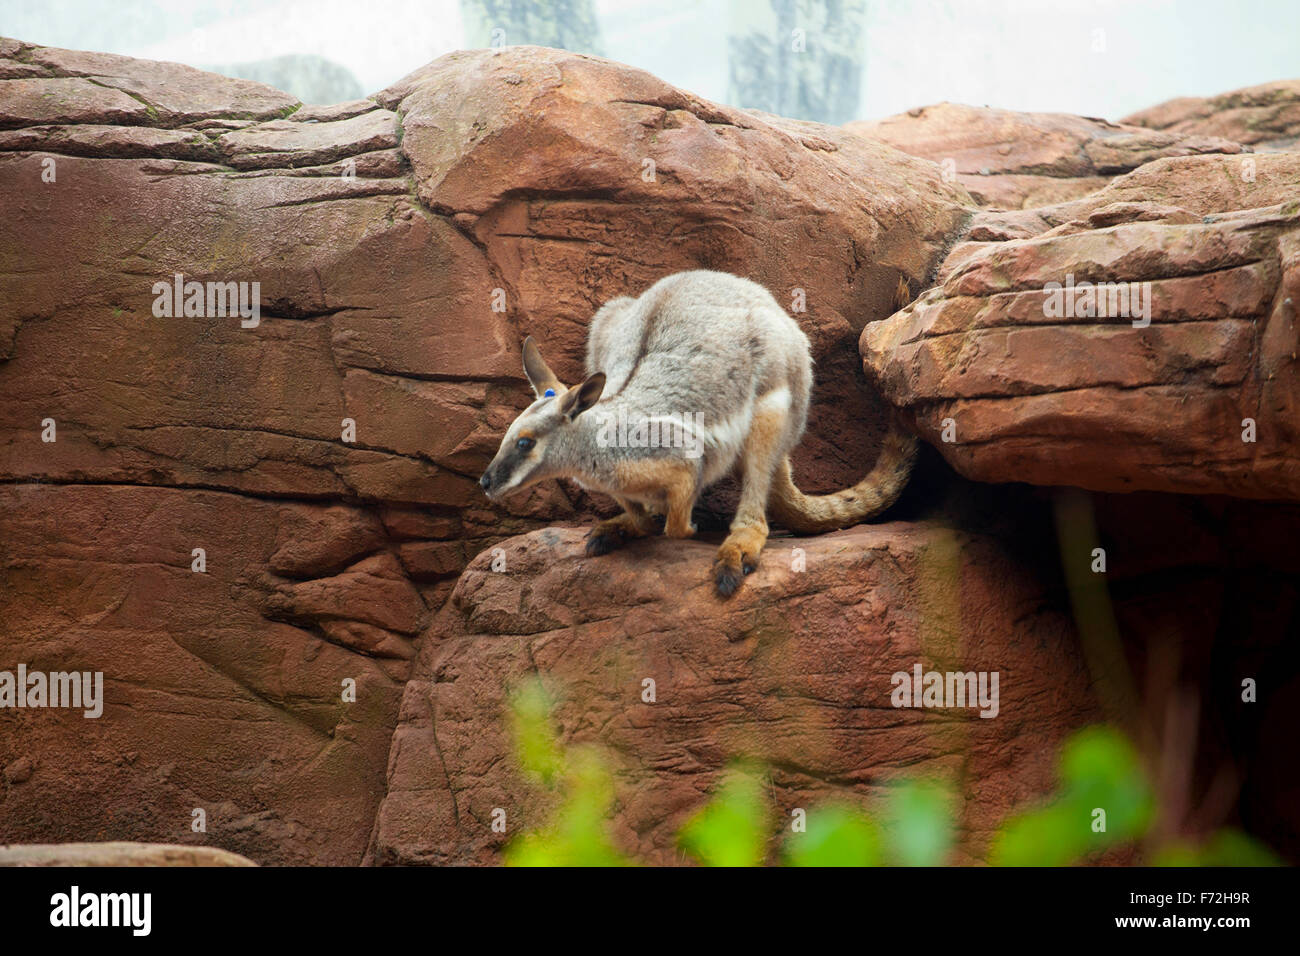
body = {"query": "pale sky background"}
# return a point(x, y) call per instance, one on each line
point(1018, 54)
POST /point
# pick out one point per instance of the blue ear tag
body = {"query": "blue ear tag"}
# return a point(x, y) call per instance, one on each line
point(549, 393)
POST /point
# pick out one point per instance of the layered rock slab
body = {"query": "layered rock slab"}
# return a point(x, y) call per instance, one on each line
point(1266, 116)
point(1010, 384)
point(1012, 160)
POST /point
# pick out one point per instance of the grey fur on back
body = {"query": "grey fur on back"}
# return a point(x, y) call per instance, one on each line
point(708, 344)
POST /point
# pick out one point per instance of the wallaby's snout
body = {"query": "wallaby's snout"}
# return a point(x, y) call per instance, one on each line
point(496, 478)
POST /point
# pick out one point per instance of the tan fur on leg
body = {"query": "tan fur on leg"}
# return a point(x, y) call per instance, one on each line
point(739, 554)
point(681, 500)
point(671, 480)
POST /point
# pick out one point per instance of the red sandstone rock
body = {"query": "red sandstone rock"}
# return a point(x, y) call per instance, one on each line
point(1093, 401)
point(212, 700)
point(1265, 116)
point(1175, 190)
point(299, 143)
point(795, 671)
point(1016, 160)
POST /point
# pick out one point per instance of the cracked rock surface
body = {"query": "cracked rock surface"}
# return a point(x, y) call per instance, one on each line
point(795, 671)
point(1039, 393)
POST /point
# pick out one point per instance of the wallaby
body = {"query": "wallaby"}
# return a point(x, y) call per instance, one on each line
point(702, 373)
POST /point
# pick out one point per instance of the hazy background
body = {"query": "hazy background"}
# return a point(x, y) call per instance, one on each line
point(859, 58)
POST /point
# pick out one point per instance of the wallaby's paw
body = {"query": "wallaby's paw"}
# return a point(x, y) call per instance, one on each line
point(727, 579)
point(737, 557)
point(610, 535)
point(603, 542)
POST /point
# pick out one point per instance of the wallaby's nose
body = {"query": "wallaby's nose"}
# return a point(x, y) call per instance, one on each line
point(486, 481)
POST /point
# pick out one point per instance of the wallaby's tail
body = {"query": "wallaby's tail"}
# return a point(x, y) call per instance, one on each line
point(813, 514)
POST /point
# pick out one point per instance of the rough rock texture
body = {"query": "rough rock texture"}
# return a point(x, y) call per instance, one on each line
point(1265, 116)
point(222, 689)
point(795, 671)
point(117, 854)
point(1012, 160)
point(380, 232)
point(1095, 402)
point(1036, 394)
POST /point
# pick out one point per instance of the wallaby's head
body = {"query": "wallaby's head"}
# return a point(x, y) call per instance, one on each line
point(523, 458)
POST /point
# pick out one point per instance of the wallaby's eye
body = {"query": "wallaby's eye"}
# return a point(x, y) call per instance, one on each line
point(525, 444)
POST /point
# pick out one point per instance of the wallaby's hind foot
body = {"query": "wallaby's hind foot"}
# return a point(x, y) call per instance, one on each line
point(737, 557)
point(610, 535)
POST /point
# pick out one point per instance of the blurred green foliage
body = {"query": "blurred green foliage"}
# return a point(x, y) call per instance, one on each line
point(919, 816)
point(837, 835)
point(536, 747)
point(732, 828)
point(1104, 801)
point(1228, 847)
point(577, 834)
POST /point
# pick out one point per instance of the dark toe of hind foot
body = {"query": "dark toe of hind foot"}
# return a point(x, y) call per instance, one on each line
point(604, 541)
point(727, 579)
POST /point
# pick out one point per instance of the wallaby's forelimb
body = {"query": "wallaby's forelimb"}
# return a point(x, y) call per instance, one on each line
point(634, 522)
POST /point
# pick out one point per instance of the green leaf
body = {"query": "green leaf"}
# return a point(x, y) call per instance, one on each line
point(1101, 770)
point(1227, 847)
point(731, 828)
point(1054, 835)
point(536, 746)
point(837, 835)
point(919, 823)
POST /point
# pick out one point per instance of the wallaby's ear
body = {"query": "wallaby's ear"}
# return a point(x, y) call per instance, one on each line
point(539, 373)
point(578, 400)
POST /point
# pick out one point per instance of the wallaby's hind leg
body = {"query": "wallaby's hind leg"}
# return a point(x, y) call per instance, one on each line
point(634, 522)
point(739, 554)
point(673, 481)
point(680, 492)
